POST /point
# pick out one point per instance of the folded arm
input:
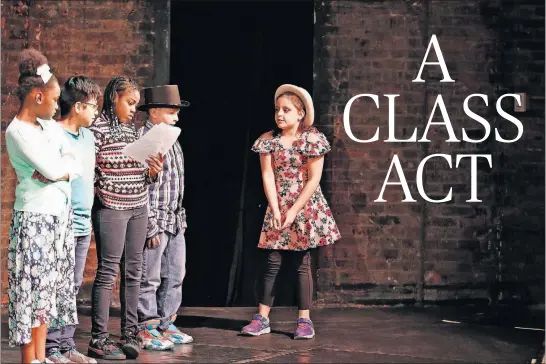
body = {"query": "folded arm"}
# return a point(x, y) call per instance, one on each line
point(47, 161)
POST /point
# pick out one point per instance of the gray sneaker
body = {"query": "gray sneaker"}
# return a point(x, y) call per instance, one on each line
point(55, 356)
point(258, 326)
point(76, 357)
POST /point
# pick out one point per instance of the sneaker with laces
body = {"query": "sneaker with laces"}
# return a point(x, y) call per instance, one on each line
point(105, 349)
point(305, 329)
point(153, 340)
point(76, 357)
point(55, 356)
point(258, 326)
point(176, 336)
point(130, 344)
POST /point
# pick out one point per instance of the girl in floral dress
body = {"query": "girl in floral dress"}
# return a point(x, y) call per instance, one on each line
point(41, 243)
point(298, 217)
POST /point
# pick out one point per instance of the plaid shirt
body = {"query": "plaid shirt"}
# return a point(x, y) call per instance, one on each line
point(165, 211)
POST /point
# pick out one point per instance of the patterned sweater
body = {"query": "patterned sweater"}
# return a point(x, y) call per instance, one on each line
point(121, 183)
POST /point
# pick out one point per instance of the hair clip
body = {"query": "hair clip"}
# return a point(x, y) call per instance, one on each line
point(43, 71)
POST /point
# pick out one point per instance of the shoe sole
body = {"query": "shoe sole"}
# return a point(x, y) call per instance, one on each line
point(93, 354)
point(304, 337)
point(130, 351)
point(261, 332)
point(156, 348)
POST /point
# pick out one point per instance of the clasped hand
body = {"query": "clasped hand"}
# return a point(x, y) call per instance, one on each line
point(281, 222)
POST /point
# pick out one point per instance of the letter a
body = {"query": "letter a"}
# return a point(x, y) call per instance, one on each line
point(396, 163)
point(441, 62)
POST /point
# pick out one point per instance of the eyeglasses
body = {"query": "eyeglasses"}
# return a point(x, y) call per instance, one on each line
point(95, 106)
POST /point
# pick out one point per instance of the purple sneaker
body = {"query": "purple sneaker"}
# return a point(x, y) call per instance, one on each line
point(258, 326)
point(305, 329)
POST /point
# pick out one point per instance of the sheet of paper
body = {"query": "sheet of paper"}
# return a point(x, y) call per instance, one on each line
point(159, 139)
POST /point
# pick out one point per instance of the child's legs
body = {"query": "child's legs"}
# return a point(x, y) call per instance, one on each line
point(66, 293)
point(301, 261)
point(28, 352)
point(131, 269)
point(173, 270)
point(39, 335)
point(110, 228)
point(274, 259)
point(150, 282)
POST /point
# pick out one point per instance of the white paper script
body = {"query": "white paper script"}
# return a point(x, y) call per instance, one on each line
point(158, 140)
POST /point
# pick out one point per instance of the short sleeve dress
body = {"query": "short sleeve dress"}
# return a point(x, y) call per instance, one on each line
point(314, 224)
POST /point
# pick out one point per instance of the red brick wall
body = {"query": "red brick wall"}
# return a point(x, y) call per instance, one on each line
point(99, 39)
point(362, 47)
point(377, 47)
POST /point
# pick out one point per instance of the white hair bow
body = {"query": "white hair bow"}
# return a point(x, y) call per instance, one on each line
point(43, 71)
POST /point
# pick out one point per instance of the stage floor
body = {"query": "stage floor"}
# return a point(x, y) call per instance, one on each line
point(343, 335)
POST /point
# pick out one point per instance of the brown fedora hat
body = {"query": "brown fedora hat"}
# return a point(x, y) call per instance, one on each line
point(162, 96)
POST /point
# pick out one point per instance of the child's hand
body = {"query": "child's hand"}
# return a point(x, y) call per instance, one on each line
point(276, 220)
point(155, 163)
point(288, 219)
point(153, 243)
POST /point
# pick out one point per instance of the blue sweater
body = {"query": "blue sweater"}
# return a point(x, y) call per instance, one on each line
point(83, 147)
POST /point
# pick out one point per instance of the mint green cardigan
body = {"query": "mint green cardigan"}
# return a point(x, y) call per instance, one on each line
point(33, 149)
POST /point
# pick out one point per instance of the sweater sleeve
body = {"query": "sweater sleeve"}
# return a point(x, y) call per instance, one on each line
point(42, 158)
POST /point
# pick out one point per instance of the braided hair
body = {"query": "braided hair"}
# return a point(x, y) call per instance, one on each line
point(29, 61)
point(116, 85)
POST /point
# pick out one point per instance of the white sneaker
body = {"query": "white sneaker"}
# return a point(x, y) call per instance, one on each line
point(57, 357)
point(76, 357)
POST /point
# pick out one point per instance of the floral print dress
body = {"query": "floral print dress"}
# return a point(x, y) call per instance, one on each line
point(314, 224)
point(41, 261)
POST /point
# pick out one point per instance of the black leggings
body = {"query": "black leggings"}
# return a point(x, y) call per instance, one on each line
point(301, 260)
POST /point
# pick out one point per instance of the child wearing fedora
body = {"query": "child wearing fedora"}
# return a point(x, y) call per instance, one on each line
point(164, 257)
point(298, 217)
point(120, 217)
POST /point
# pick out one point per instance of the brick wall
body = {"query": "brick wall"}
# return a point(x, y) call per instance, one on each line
point(361, 47)
point(96, 38)
point(377, 47)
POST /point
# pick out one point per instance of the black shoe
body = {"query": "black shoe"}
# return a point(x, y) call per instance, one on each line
point(104, 349)
point(130, 344)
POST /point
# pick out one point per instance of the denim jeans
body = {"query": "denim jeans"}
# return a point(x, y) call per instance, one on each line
point(63, 339)
point(120, 236)
point(163, 270)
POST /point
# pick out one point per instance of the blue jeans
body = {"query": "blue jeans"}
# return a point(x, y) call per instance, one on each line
point(163, 270)
point(63, 339)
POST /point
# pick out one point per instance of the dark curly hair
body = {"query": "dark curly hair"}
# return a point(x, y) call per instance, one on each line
point(29, 61)
point(77, 89)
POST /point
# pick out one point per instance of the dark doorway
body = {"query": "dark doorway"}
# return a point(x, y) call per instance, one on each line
point(228, 58)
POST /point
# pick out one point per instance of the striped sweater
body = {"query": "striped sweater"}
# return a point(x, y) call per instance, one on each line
point(121, 183)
